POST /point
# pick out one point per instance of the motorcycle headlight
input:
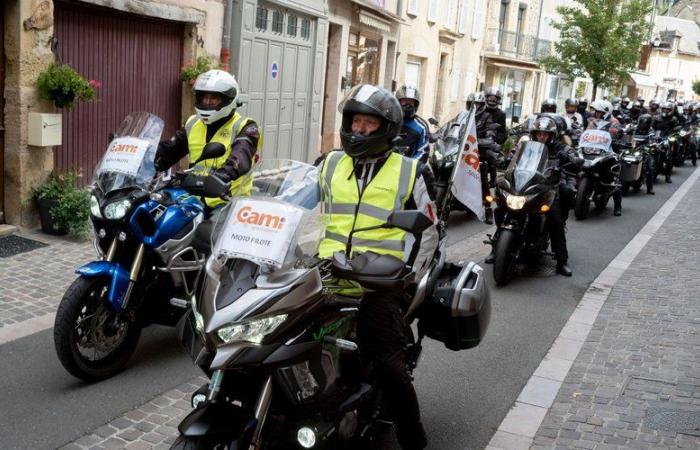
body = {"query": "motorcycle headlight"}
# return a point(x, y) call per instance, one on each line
point(637, 153)
point(117, 210)
point(515, 202)
point(95, 207)
point(252, 331)
point(672, 139)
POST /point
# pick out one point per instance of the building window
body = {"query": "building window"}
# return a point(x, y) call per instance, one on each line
point(363, 59)
point(432, 11)
point(292, 26)
point(277, 21)
point(306, 29)
point(261, 18)
point(412, 7)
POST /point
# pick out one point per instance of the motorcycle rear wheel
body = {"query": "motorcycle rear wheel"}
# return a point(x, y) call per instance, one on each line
point(583, 200)
point(84, 321)
point(505, 258)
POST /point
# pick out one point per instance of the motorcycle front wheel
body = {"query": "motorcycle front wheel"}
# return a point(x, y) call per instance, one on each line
point(505, 257)
point(583, 199)
point(92, 341)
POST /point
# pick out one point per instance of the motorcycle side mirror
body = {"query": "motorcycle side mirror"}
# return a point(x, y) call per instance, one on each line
point(410, 221)
point(212, 150)
point(433, 121)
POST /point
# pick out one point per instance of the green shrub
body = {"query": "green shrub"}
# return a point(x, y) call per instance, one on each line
point(72, 212)
point(191, 70)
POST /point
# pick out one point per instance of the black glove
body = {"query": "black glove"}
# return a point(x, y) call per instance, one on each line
point(161, 161)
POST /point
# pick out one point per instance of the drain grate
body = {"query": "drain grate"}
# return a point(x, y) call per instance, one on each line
point(675, 420)
point(14, 245)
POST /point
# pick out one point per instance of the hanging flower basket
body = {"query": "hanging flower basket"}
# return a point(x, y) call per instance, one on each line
point(63, 86)
point(191, 70)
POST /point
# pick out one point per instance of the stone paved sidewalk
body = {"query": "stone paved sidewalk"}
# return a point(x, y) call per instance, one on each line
point(26, 288)
point(636, 381)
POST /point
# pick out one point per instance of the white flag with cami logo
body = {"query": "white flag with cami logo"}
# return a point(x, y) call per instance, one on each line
point(466, 177)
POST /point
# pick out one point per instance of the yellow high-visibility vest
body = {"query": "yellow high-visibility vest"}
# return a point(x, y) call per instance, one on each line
point(197, 139)
point(388, 191)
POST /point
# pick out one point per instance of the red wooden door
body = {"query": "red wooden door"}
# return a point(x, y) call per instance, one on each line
point(136, 60)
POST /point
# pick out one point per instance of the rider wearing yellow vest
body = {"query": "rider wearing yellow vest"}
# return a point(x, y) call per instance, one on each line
point(216, 120)
point(368, 181)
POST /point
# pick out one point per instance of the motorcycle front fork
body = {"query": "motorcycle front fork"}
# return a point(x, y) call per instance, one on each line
point(133, 271)
point(262, 404)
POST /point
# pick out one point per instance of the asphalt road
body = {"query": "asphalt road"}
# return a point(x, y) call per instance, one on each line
point(463, 395)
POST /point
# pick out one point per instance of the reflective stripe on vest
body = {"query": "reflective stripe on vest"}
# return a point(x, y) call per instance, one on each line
point(387, 191)
point(197, 139)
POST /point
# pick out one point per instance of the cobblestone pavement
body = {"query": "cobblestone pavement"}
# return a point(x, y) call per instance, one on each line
point(636, 381)
point(23, 293)
point(154, 424)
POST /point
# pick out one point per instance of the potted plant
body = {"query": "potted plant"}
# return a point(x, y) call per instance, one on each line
point(64, 208)
point(63, 86)
point(192, 70)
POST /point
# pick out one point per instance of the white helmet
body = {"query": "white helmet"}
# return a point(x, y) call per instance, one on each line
point(604, 106)
point(220, 82)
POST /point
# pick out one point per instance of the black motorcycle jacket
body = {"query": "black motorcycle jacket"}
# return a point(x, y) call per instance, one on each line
point(561, 155)
point(665, 125)
point(499, 117)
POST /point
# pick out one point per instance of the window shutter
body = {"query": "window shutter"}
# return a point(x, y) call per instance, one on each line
point(478, 23)
point(454, 85)
point(463, 16)
point(433, 11)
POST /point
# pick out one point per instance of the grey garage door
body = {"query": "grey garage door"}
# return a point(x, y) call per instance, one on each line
point(278, 57)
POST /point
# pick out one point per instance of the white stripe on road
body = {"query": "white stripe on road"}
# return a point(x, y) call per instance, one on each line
point(518, 429)
point(19, 330)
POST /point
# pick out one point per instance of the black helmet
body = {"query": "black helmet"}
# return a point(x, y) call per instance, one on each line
point(571, 102)
point(374, 101)
point(644, 124)
point(549, 106)
point(546, 124)
point(667, 109)
point(409, 111)
point(493, 92)
point(624, 101)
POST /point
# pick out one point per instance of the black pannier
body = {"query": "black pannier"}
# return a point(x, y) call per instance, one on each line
point(459, 309)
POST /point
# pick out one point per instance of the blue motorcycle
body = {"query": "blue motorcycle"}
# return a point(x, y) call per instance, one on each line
point(150, 255)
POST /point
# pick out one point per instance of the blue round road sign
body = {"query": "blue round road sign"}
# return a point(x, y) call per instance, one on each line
point(275, 70)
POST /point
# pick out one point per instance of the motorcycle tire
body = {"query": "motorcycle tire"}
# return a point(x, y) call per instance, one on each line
point(637, 185)
point(582, 205)
point(85, 302)
point(505, 257)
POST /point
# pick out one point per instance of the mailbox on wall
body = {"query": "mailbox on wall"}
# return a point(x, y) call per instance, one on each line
point(44, 130)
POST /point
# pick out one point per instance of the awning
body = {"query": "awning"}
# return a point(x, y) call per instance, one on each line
point(642, 80)
point(523, 68)
point(374, 22)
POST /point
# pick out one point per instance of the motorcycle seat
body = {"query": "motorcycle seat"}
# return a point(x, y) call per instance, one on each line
point(203, 236)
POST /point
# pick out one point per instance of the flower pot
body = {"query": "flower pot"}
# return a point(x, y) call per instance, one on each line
point(47, 223)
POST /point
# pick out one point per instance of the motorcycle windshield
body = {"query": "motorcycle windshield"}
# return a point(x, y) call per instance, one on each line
point(128, 161)
point(281, 223)
point(529, 161)
point(452, 134)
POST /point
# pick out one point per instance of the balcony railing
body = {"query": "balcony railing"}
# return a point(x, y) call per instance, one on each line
point(515, 45)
